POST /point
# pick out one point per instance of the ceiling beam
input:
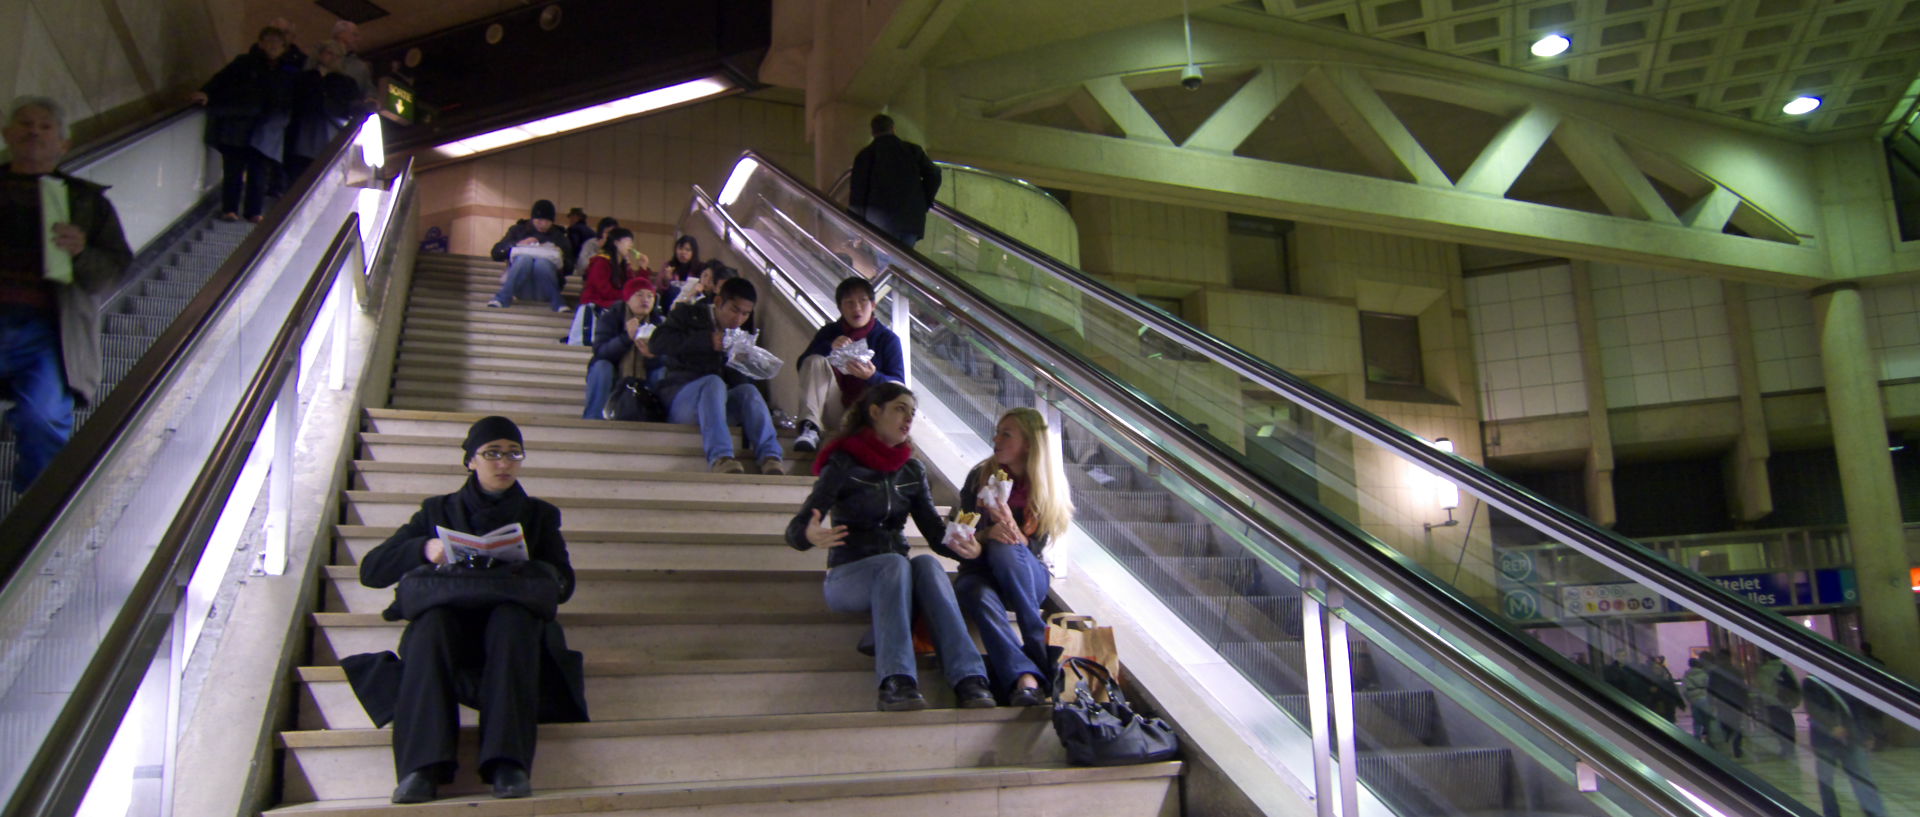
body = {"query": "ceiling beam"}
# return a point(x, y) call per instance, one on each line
point(1360, 114)
point(1611, 173)
point(1126, 110)
point(1204, 179)
point(1502, 161)
point(1230, 124)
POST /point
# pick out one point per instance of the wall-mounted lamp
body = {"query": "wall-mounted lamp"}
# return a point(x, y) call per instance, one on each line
point(1446, 494)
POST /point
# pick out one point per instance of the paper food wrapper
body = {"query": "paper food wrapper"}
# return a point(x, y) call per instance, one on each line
point(840, 358)
point(997, 491)
point(545, 252)
point(645, 331)
point(57, 265)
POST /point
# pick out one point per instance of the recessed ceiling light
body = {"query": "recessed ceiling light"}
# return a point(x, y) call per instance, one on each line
point(1552, 45)
point(1800, 105)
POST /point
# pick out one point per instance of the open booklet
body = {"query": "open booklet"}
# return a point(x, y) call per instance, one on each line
point(507, 543)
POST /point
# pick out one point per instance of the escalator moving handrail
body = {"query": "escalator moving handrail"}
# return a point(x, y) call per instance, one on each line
point(57, 779)
point(49, 495)
point(1520, 655)
point(819, 315)
point(1797, 645)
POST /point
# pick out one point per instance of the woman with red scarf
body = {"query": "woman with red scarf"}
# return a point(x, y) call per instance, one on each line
point(868, 484)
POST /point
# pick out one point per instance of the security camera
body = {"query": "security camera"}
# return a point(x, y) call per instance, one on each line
point(1190, 78)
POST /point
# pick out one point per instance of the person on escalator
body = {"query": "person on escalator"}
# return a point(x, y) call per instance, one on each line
point(699, 387)
point(249, 104)
point(1001, 569)
point(620, 346)
point(893, 185)
point(504, 659)
point(537, 253)
point(827, 391)
point(50, 306)
point(867, 485)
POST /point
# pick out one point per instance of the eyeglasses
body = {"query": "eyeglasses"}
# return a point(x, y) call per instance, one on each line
point(496, 455)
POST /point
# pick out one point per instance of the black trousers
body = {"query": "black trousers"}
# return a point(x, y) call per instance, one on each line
point(489, 660)
point(245, 171)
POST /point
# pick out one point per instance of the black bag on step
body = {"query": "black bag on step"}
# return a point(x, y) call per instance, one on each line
point(1105, 733)
point(632, 401)
point(472, 586)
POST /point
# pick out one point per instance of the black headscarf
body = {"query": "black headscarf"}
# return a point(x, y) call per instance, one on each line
point(484, 513)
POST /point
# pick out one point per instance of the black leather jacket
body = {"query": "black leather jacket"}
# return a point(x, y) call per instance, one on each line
point(874, 505)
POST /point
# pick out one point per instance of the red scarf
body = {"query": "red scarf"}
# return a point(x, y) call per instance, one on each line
point(866, 449)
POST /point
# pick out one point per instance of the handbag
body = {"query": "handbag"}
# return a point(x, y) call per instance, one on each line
point(464, 586)
point(632, 401)
point(1109, 732)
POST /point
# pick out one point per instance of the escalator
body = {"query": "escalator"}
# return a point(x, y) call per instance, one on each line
point(1267, 527)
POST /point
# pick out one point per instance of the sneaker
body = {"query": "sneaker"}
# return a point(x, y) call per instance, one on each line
point(494, 303)
point(773, 466)
point(728, 465)
point(809, 439)
point(900, 693)
point(563, 308)
point(972, 693)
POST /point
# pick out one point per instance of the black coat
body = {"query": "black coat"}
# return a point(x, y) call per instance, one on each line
point(321, 106)
point(874, 505)
point(894, 177)
point(376, 676)
point(685, 343)
point(611, 342)
point(251, 89)
point(523, 229)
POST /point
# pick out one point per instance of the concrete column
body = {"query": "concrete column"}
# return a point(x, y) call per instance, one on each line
point(1746, 467)
point(1599, 467)
point(1866, 478)
point(838, 130)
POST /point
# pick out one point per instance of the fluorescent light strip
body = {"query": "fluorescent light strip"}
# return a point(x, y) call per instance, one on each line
point(587, 117)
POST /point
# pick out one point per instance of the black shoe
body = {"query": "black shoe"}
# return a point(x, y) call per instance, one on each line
point(510, 781)
point(972, 693)
point(1026, 696)
point(900, 693)
point(416, 787)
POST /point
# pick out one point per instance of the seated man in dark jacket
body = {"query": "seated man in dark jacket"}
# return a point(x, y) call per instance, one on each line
point(700, 388)
point(544, 256)
point(619, 348)
point(826, 392)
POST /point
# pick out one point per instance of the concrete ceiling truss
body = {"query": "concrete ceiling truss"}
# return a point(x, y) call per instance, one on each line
point(1698, 218)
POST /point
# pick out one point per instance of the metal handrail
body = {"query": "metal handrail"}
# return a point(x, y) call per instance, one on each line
point(1796, 645)
point(820, 314)
point(1393, 586)
point(57, 779)
point(49, 495)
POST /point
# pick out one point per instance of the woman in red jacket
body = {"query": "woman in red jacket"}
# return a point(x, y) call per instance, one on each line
point(606, 274)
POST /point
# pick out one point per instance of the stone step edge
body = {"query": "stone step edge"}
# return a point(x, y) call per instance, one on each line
point(613, 537)
point(569, 446)
point(645, 574)
point(571, 620)
point(730, 724)
point(703, 477)
point(850, 662)
point(596, 503)
point(747, 791)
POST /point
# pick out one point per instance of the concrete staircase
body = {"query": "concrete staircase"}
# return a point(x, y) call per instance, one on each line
point(718, 681)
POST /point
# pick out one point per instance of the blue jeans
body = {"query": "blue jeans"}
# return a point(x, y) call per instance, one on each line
point(34, 377)
point(708, 402)
point(1017, 580)
point(891, 587)
point(532, 279)
point(1849, 757)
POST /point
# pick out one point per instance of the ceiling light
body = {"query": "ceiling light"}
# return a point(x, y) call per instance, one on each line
point(1800, 105)
point(1552, 45)
point(588, 117)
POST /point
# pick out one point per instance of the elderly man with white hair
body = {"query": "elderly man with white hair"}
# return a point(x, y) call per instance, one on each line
point(346, 35)
point(56, 267)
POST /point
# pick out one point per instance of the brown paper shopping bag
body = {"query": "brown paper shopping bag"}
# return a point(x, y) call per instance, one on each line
point(1079, 636)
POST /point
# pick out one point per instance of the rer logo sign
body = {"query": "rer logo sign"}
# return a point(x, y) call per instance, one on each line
point(1516, 565)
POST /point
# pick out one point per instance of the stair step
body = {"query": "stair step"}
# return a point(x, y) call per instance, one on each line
point(394, 509)
point(841, 682)
point(511, 408)
point(149, 325)
point(539, 376)
point(452, 426)
point(635, 460)
point(631, 591)
point(428, 389)
point(665, 550)
point(332, 764)
point(633, 636)
point(464, 313)
point(542, 330)
point(554, 484)
point(995, 791)
point(482, 334)
point(152, 305)
point(555, 352)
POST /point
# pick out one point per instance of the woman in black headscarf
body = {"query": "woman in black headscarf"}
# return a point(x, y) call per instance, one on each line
point(502, 660)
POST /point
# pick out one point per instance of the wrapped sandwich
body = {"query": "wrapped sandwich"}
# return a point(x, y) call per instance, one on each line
point(962, 528)
point(998, 490)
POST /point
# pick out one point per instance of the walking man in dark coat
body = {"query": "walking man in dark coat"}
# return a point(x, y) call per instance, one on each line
point(893, 184)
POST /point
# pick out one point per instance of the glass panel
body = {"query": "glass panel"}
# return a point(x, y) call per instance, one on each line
point(66, 594)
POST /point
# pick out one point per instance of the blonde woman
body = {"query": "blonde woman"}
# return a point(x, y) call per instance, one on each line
point(1007, 574)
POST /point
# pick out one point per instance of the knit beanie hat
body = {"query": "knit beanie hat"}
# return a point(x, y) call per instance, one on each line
point(635, 284)
point(543, 209)
point(488, 429)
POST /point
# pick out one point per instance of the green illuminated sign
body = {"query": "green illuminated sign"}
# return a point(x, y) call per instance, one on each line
point(397, 103)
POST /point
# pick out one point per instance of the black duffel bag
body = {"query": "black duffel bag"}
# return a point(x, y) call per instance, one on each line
point(632, 401)
point(479, 586)
point(1105, 733)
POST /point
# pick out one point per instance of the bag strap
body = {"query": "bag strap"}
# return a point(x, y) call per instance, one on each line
point(1086, 668)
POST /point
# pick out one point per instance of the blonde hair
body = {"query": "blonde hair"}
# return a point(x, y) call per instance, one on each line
point(1049, 505)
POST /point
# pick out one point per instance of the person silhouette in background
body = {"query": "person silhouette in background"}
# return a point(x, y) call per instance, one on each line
point(893, 184)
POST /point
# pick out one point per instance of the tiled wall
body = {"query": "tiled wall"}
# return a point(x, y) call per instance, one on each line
point(1784, 340)
point(1306, 336)
point(1893, 327)
point(1663, 336)
point(1145, 239)
point(1527, 341)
